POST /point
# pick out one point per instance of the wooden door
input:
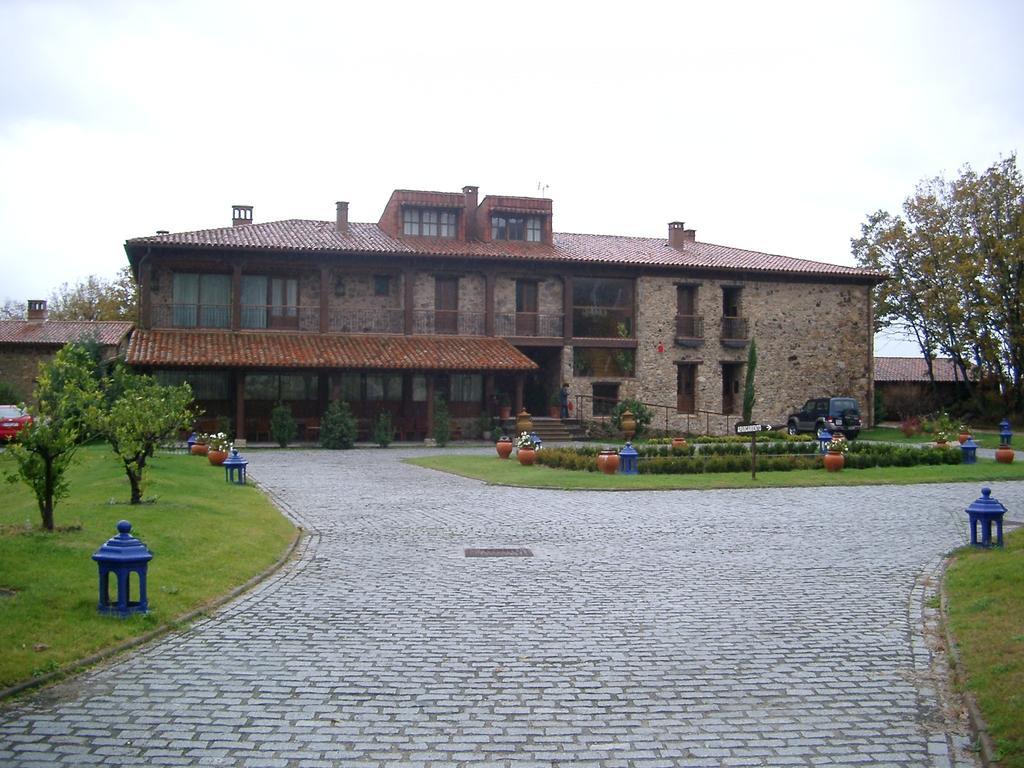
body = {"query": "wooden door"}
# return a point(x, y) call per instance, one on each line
point(446, 305)
point(526, 308)
point(686, 388)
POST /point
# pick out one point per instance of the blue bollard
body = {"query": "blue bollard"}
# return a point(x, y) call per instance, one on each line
point(234, 468)
point(970, 449)
point(629, 460)
point(1005, 435)
point(982, 513)
point(122, 556)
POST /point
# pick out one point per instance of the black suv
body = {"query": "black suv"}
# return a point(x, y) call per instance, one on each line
point(839, 414)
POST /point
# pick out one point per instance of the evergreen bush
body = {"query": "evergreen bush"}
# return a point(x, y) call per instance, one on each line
point(442, 423)
point(338, 427)
point(383, 429)
point(282, 425)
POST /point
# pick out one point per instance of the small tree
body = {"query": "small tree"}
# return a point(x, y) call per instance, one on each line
point(67, 404)
point(383, 430)
point(748, 389)
point(641, 413)
point(442, 423)
point(338, 427)
point(282, 425)
point(142, 414)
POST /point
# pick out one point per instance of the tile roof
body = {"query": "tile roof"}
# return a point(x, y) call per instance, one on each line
point(60, 332)
point(306, 236)
point(312, 350)
point(893, 369)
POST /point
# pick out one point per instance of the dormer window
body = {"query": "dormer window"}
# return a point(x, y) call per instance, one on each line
point(429, 222)
point(526, 228)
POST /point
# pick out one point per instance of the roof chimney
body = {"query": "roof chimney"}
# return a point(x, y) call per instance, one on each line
point(163, 231)
point(679, 235)
point(471, 195)
point(241, 215)
point(341, 223)
point(36, 309)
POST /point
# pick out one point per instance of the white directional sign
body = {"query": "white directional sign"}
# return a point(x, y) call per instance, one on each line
point(747, 429)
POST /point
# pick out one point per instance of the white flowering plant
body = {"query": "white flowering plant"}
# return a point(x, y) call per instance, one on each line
point(217, 441)
point(840, 446)
point(525, 440)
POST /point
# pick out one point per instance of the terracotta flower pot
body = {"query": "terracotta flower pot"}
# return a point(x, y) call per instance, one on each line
point(963, 437)
point(199, 449)
point(678, 442)
point(834, 461)
point(216, 457)
point(555, 411)
point(1004, 454)
point(941, 444)
point(611, 462)
point(504, 412)
point(504, 448)
point(526, 456)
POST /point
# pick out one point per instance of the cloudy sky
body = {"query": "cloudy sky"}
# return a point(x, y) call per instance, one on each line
point(770, 126)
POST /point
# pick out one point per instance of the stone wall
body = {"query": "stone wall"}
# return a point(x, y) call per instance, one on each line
point(812, 340)
point(19, 367)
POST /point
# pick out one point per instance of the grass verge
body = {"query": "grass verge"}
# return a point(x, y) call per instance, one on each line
point(492, 470)
point(985, 603)
point(207, 538)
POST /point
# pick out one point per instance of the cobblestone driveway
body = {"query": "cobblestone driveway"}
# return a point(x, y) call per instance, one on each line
point(781, 627)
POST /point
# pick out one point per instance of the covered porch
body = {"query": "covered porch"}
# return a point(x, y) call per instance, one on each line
point(238, 378)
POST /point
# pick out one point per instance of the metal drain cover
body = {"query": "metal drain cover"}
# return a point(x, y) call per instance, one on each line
point(510, 552)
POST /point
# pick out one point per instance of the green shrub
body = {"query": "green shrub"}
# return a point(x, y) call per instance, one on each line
point(641, 413)
point(442, 423)
point(338, 428)
point(282, 426)
point(383, 430)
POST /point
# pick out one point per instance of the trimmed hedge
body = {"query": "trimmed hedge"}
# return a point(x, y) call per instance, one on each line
point(664, 460)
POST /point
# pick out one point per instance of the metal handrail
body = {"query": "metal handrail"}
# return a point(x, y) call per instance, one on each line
point(668, 409)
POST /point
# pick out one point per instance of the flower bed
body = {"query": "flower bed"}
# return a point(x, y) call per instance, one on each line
point(660, 459)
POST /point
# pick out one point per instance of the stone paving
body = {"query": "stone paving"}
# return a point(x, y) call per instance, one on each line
point(719, 628)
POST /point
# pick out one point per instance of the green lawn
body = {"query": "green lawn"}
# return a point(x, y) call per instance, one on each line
point(985, 592)
point(207, 537)
point(985, 439)
point(493, 470)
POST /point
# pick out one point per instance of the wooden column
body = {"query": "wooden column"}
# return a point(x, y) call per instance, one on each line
point(430, 405)
point(567, 308)
point(520, 382)
point(323, 391)
point(408, 283)
point(325, 300)
point(236, 297)
point(489, 303)
point(239, 403)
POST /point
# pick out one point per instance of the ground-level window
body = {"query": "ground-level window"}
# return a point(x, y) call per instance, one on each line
point(284, 386)
point(206, 385)
point(603, 361)
point(606, 396)
point(419, 388)
point(384, 387)
point(466, 388)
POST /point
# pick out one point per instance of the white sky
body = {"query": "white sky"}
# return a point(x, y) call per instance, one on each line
point(772, 126)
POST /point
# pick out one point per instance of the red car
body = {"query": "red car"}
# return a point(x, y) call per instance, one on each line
point(12, 421)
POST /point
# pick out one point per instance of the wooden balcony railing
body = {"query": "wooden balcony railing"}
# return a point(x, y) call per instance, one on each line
point(734, 329)
point(191, 316)
point(531, 324)
point(445, 321)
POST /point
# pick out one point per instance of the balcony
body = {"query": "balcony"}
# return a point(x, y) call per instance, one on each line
point(735, 332)
point(528, 324)
point(690, 330)
point(279, 317)
point(191, 316)
point(367, 320)
point(447, 321)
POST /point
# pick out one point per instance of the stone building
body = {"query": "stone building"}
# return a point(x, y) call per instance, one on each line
point(481, 302)
point(26, 344)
